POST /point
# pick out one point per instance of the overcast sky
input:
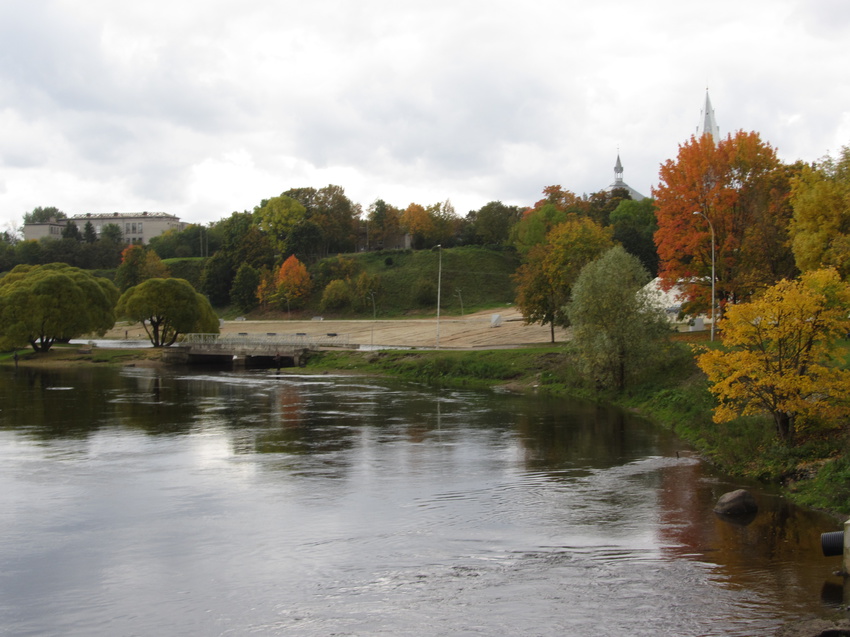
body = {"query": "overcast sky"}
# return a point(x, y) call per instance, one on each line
point(201, 108)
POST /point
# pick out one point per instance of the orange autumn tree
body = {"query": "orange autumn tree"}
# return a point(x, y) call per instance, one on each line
point(738, 185)
point(292, 283)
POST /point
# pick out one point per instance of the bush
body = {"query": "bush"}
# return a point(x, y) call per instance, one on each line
point(425, 293)
point(337, 295)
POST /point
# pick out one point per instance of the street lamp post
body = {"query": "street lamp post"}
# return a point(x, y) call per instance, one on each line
point(710, 227)
point(439, 289)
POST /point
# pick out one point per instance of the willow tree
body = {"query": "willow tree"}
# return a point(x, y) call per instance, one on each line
point(40, 305)
point(167, 308)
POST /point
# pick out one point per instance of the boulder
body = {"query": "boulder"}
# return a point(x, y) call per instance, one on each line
point(740, 503)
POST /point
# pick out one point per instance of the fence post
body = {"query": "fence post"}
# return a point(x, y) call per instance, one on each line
point(846, 561)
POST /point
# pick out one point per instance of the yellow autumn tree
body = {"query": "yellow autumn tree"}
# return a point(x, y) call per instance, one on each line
point(820, 229)
point(780, 355)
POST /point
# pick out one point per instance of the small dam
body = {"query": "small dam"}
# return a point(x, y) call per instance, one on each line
point(247, 351)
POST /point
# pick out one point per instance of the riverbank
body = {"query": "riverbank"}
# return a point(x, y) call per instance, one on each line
point(814, 473)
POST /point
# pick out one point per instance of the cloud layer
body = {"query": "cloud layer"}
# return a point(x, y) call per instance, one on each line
point(203, 108)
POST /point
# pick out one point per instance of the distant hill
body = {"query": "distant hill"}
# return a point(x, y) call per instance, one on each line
point(476, 277)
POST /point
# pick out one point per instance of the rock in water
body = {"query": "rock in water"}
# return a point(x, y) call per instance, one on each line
point(736, 504)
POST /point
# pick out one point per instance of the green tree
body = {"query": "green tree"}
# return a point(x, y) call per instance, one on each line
point(40, 305)
point(532, 228)
point(243, 294)
point(493, 222)
point(43, 215)
point(384, 224)
point(782, 355)
point(545, 279)
point(634, 226)
point(71, 231)
point(167, 308)
point(617, 331)
point(277, 217)
point(89, 234)
point(217, 279)
point(112, 232)
point(336, 295)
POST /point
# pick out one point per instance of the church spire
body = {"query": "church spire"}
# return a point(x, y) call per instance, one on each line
point(618, 171)
point(707, 122)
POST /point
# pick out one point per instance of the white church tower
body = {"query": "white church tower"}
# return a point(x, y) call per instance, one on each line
point(708, 124)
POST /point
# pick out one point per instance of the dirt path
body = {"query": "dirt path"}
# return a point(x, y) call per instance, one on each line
point(472, 331)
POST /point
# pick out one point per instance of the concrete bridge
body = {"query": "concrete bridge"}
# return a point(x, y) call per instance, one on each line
point(245, 350)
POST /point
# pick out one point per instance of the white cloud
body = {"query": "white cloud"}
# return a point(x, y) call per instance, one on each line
point(201, 109)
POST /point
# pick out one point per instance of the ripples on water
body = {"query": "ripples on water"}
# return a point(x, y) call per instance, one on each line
point(268, 504)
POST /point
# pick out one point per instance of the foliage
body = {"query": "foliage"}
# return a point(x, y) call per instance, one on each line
point(781, 353)
point(545, 279)
point(384, 224)
point(618, 332)
point(634, 226)
point(292, 283)
point(243, 294)
point(425, 292)
point(820, 229)
point(40, 305)
point(89, 234)
point(138, 264)
point(44, 215)
point(416, 221)
point(193, 241)
point(191, 269)
point(493, 222)
point(365, 288)
point(333, 213)
point(112, 232)
point(277, 217)
point(217, 279)
point(167, 308)
point(336, 295)
point(532, 229)
point(742, 189)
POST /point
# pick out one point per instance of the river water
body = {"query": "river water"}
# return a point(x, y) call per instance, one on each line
point(146, 502)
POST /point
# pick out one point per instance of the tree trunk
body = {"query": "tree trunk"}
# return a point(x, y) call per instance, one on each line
point(784, 426)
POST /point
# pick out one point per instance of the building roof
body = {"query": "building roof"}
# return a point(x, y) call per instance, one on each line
point(124, 215)
point(620, 184)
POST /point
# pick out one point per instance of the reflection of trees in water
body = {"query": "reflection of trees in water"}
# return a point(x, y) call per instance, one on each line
point(748, 555)
point(75, 403)
point(562, 434)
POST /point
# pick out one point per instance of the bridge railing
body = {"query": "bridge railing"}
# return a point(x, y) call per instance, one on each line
point(264, 342)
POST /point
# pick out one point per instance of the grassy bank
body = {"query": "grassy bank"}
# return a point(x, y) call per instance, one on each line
point(71, 355)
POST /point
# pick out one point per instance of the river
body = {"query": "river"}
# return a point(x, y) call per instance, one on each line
point(150, 502)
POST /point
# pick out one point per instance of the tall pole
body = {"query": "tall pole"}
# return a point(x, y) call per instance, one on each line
point(710, 227)
point(439, 289)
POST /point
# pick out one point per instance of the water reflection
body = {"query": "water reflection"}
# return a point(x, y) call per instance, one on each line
point(258, 502)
